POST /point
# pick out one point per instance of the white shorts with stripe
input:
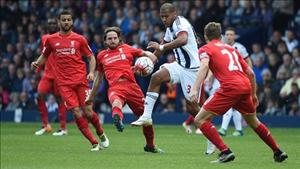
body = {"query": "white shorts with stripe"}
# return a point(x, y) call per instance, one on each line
point(186, 77)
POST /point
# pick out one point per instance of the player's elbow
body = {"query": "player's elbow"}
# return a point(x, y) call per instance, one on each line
point(183, 41)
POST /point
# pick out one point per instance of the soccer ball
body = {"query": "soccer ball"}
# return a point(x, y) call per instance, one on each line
point(143, 66)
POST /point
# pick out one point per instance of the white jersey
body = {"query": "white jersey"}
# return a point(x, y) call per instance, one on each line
point(187, 55)
point(241, 49)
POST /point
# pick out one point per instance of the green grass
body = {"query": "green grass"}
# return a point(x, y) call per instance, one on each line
point(20, 149)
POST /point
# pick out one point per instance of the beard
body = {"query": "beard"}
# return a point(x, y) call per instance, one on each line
point(67, 28)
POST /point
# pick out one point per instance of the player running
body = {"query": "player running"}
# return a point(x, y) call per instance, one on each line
point(237, 90)
point(67, 48)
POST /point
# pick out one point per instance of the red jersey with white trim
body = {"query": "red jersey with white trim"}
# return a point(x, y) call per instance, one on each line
point(67, 51)
point(50, 63)
point(117, 63)
point(227, 65)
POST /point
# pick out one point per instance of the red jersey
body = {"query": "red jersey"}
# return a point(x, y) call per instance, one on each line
point(227, 65)
point(50, 63)
point(67, 51)
point(117, 63)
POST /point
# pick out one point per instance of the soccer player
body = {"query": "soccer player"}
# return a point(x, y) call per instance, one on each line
point(232, 113)
point(115, 63)
point(46, 85)
point(179, 37)
point(237, 90)
point(67, 48)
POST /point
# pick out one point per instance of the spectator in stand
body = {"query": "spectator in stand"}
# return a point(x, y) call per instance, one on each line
point(287, 63)
point(275, 40)
point(290, 40)
point(14, 102)
point(233, 14)
point(256, 49)
point(273, 64)
point(258, 67)
point(287, 88)
point(292, 100)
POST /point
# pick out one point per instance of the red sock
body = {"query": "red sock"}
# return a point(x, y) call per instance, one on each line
point(44, 112)
point(62, 115)
point(117, 110)
point(264, 133)
point(96, 123)
point(149, 135)
point(85, 130)
point(212, 134)
point(189, 120)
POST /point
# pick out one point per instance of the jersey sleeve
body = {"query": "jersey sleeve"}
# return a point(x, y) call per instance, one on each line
point(46, 48)
point(85, 48)
point(181, 26)
point(135, 52)
point(99, 63)
point(203, 53)
point(243, 51)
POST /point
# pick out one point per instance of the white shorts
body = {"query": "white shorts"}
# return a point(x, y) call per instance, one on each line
point(186, 77)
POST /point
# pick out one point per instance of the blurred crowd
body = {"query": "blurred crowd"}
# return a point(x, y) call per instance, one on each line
point(276, 61)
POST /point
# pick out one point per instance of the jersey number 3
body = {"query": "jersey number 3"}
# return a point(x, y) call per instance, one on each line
point(234, 63)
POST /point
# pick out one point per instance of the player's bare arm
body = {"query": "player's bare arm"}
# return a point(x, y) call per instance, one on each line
point(181, 40)
point(150, 55)
point(92, 65)
point(97, 81)
point(39, 62)
point(249, 62)
point(202, 72)
point(252, 79)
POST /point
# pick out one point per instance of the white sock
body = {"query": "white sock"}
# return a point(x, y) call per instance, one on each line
point(237, 120)
point(226, 119)
point(150, 100)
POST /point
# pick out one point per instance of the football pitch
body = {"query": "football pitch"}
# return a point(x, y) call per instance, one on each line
point(20, 149)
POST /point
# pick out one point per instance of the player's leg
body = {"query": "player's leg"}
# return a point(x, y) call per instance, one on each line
point(61, 113)
point(237, 120)
point(69, 95)
point(43, 89)
point(82, 92)
point(188, 123)
point(159, 77)
point(263, 132)
point(225, 122)
point(248, 109)
point(135, 101)
point(116, 99)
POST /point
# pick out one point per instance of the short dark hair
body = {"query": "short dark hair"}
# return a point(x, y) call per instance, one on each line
point(64, 12)
point(230, 29)
point(112, 29)
point(213, 30)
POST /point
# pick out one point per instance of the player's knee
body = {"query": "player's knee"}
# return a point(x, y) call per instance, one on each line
point(76, 112)
point(156, 79)
point(41, 96)
point(88, 111)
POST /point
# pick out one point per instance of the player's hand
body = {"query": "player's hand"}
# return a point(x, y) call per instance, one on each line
point(255, 100)
point(90, 76)
point(88, 99)
point(153, 45)
point(194, 94)
point(34, 65)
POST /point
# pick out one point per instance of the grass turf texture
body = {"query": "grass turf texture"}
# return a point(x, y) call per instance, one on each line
point(20, 149)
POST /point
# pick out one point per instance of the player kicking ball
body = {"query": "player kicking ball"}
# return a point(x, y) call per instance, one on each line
point(237, 90)
point(115, 63)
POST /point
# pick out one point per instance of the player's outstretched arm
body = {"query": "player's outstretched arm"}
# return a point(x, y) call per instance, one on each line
point(202, 72)
point(39, 62)
point(150, 55)
point(92, 65)
point(97, 81)
point(181, 40)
